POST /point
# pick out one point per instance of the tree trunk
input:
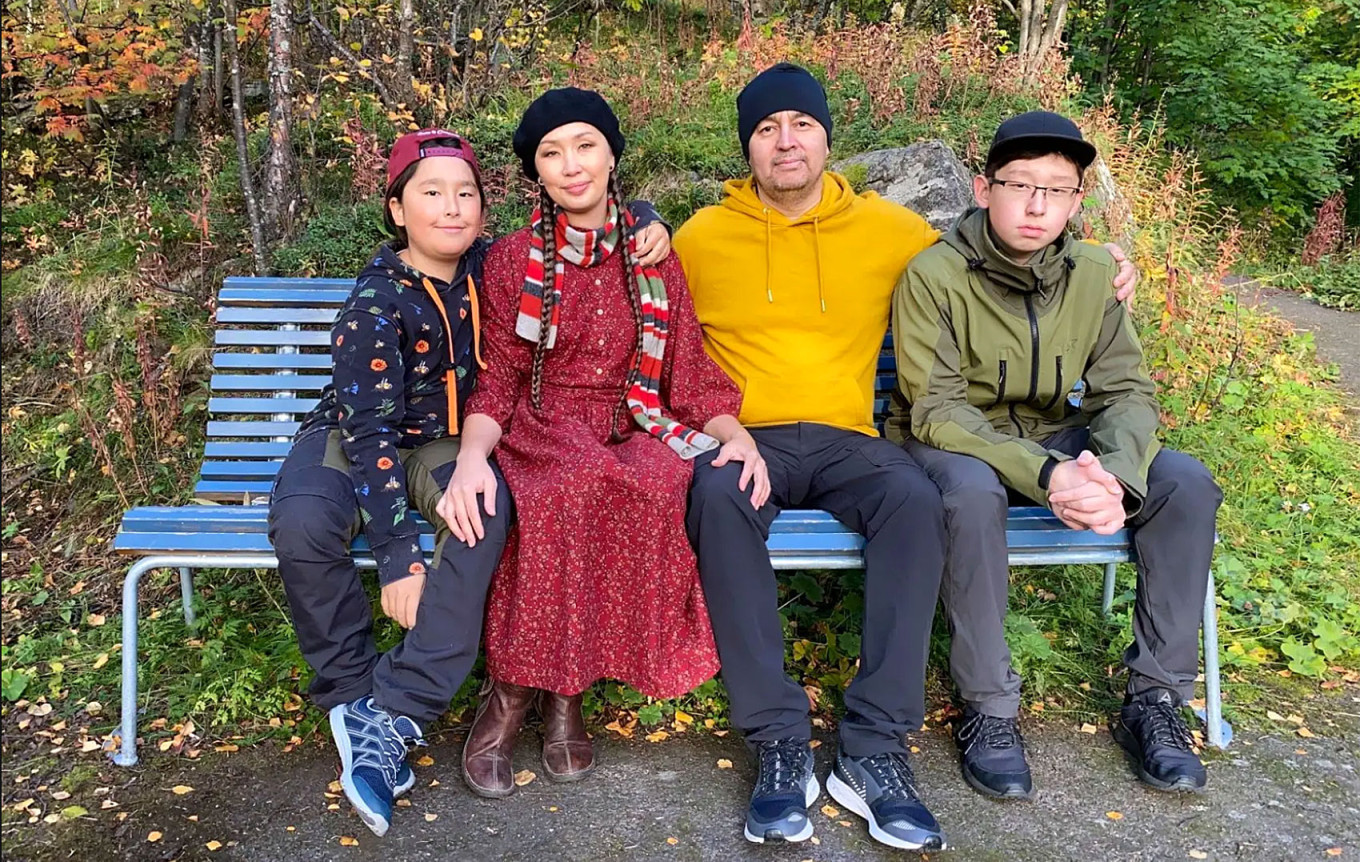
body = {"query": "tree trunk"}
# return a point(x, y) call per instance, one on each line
point(184, 107)
point(219, 79)
point(1040, 27)
point(258, 250)
point(404, 71)
point(282, 198)
point(206, 60)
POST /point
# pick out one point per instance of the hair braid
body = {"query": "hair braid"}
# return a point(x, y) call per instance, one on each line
point(548, 221)
point(634, 299)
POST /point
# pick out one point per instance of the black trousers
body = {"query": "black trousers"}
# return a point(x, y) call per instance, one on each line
point(313, 517)
point(1173, 534)
point(872, 487)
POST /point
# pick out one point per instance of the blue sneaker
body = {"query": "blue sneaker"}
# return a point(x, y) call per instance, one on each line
point(372, 744)
point(786, 786)
point(882, 789)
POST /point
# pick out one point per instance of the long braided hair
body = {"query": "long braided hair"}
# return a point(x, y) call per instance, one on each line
point(548, 219)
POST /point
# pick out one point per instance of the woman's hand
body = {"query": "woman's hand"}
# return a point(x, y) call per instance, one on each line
point(653, 244)
point(401, 599)
point(741, 447)
point(458, 507)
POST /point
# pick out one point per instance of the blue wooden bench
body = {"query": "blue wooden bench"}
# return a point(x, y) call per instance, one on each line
point(273, 358)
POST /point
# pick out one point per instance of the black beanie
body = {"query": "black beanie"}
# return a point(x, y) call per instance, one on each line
point(782, 87)
point(557, 108)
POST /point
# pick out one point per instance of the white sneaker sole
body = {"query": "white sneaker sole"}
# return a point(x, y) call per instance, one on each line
point(841, 792)
point(376, 823)
point(813, 790)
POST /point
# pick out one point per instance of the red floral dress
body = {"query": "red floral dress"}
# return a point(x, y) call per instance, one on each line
point(598, 578)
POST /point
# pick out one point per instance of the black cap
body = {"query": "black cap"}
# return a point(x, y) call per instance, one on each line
point(782, 87)
point(557, 108)
point(1041, 130)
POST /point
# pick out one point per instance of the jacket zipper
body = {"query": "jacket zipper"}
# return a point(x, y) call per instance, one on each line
point(1057, 387)
point(1000, 384)
point(1034, 346)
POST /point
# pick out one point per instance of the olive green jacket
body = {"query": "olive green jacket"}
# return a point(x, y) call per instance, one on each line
point(989, 352)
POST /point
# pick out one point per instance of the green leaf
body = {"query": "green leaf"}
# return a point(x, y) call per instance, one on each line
point(651, 714)
point(807, 585)
point(13, 682)
point(71, 812)
point(1303, 659)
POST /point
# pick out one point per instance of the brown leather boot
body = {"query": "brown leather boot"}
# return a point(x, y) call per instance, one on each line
point(567, 752)
point(487, 764)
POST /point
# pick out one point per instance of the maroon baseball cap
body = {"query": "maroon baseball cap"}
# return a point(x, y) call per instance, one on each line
point(414, 146)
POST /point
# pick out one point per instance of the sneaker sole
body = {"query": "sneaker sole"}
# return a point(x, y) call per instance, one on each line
point(376, 823)
point(814, 789)
point(1008, 795)
point(402, 789)
point(841, 792)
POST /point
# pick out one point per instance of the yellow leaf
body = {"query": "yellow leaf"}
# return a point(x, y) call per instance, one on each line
point(347, 841)
point(683, 717)
point(476, 35)
point(96, 620)
point(657, 736)
point(89, 745)
point(403, 803)
point(181, 789)
point(153, 837)
point(214, 845)
point(365, 63)
point(108, 803)
point(1333, 851)
point(1294, 718)
point(724, 763)
point(228, 748)
point(430, 817)
point(1089, 728)
point(831, 811)
point(672, 841)
point(1114, 815)
point(1305, 733)
point(523, 777)
point(425, 760)
point(101, 660)
point(1273, 715)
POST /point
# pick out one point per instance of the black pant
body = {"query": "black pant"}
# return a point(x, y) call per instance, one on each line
point(1174, 537)
point(313, 517)
point(872, 487)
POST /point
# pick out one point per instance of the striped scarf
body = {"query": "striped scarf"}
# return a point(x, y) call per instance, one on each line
point(587, 248)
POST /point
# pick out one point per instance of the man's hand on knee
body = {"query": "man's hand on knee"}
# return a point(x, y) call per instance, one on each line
point(1086, 496)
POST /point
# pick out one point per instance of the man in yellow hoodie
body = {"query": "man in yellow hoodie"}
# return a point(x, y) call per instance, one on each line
point(792, 278)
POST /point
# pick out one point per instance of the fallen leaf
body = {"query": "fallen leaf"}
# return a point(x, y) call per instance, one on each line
point(107, 804)
point(816, 840)
point(153, 837)
point(290, 828)
point(23, 806)
point(683, 717)
point(403, 803)
point(552, 807)
point(816, 743)
point(347, 841)
point(1292, 718)
point(915, 750)
point(333, 787)
point(831, 811)
point(51, 818)
point(724, 763)
point(96, 620)
point(844, 823)
point(672, 841)
point(334, 806)
point(90, 745)
point(722, 733)
point(94, 707)
point(523, 777)
point(1114, 815)
point(1305, 733)
point(71, 812)
point(59, 795)
point(193, 818)
point(434, 782)
point(181, 789)
point(658, 736)
point(431, 817)
point(1333, 851)
point(1089, 728)
point(1301, 751)
point(425, 760)
point(1198, 854)
point(214, 845)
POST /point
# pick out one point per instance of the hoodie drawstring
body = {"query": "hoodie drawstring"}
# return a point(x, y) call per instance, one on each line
point(769, 289)
point(451, 374)
point(817, 252)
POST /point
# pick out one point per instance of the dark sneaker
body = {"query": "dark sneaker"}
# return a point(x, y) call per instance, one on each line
point(786, 786)
point(993, 755)
point(882, 789)
point(1152, 731)
point(372, 744)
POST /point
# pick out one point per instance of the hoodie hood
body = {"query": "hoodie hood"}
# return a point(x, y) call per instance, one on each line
point(971, 236)
point(740, 196)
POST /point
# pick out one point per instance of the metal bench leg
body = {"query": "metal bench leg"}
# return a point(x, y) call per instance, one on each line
point(1107, 601)
point(127, 754)
point(1219, 731)
point(186, 594)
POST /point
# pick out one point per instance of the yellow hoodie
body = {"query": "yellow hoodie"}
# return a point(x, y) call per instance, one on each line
point(795, 310)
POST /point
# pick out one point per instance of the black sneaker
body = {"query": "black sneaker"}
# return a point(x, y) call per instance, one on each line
point(882, 789)
point(993, 755)
point(1152, 730)
point(786, 786)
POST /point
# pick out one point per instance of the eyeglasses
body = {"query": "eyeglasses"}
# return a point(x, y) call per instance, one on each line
point(1057, 194)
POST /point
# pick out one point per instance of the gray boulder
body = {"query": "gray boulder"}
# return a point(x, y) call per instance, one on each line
point(925, 177)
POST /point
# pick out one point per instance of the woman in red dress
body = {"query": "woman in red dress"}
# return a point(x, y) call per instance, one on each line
point(597, 395)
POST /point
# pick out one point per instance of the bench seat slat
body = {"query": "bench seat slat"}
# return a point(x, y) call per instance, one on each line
point(261, 405)
point(272, 361)
point(269, 382)
point(248, 449)
point(253, 428)
point(272, 338)
point(276, 315)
